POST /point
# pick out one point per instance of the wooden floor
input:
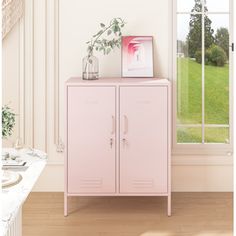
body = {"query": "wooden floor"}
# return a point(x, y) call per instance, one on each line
point(194, 214)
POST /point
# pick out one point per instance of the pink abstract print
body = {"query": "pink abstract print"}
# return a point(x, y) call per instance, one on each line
point(137, 56)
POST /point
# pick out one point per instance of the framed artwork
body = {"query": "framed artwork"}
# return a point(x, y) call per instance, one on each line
point(137, 56)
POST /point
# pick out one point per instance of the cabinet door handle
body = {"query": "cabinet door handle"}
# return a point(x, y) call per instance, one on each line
point(125, 124)
point(113, 124)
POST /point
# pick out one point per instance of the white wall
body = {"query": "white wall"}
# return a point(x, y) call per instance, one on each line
point(80, 20)
point(54, 35)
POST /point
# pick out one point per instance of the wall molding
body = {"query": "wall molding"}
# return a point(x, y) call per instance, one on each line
point(21, 77)
point(56, 71)
point(39, 68)
point(46, 75)
point(29, 73)
point(40, 74)
point(57, 139)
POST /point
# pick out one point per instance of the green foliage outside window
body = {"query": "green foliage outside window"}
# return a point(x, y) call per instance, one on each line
point(214, 55)
point(194, 38)
point(216, 46)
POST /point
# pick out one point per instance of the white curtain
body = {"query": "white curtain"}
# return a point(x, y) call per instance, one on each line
point(12, 10)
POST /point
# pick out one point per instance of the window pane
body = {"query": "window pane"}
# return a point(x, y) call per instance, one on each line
point(189, 72)
point(188, 5)
point(189, 135)
point(217, 72)
point(217, 6)
point(216, 135)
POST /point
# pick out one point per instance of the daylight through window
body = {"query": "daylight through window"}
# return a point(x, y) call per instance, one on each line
point(203, 71)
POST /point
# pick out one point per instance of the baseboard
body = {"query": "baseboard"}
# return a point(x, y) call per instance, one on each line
point(185, 178)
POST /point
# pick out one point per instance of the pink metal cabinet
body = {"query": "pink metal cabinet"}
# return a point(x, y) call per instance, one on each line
point(91, 140)
point(118, 138)
point(143, 139)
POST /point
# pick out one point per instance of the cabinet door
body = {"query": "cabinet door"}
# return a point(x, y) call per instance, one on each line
point(91, 139)
point(143, 140)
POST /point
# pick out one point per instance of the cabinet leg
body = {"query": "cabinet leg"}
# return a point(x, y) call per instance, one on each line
point(169, 205)
point(65, 205)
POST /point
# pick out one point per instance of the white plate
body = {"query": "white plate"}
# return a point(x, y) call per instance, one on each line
point(10, 178)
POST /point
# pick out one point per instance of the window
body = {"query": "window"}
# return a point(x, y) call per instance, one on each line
point(202, 70)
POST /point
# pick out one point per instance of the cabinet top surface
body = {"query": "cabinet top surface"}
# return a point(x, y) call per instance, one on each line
point(117, 81)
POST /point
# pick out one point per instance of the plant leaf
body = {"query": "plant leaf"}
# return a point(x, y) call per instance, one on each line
point(109, 32)
point(102, 25)
point(115, 21)
point(108, 50)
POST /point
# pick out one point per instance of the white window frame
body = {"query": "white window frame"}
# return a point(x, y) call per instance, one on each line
point(206, 148)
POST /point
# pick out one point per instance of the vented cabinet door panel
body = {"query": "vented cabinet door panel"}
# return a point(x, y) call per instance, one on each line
point(91, 156)
point(143, 139)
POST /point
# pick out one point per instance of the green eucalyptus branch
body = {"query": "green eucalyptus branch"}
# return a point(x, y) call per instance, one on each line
point(106, 45)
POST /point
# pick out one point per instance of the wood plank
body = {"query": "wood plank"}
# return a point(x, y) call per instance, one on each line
point(201, 214)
